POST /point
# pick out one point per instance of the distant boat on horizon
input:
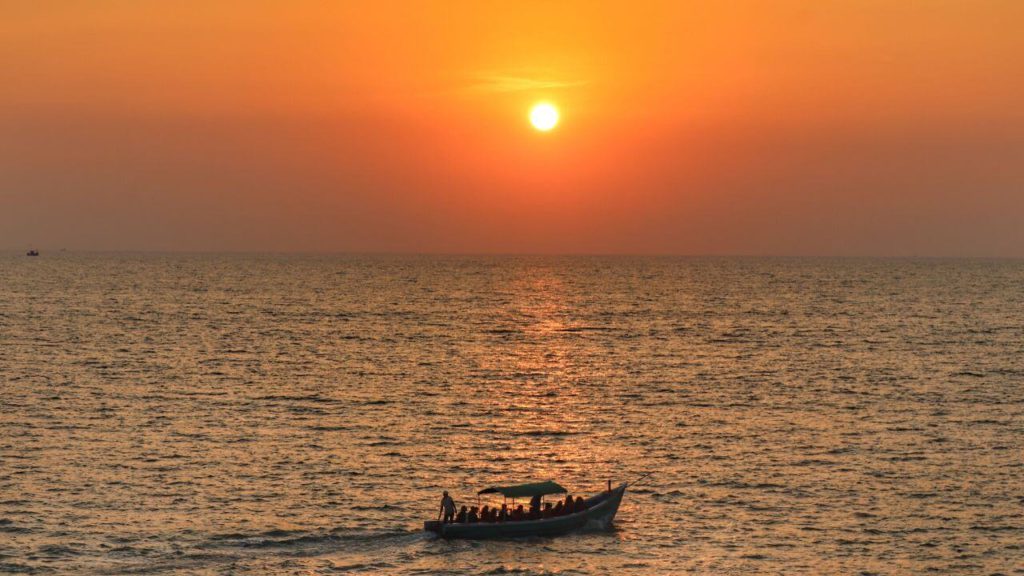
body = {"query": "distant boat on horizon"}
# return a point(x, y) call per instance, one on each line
point(32, 253)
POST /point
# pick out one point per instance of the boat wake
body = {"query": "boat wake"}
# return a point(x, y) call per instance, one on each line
point(315, 542)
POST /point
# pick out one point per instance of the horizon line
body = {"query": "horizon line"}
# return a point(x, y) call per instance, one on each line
point(514, 254)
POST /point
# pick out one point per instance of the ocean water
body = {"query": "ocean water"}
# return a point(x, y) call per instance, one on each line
point(232, 414)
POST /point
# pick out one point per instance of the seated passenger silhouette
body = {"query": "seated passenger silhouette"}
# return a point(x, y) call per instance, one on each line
point(473, 517)
point(518, 515)
point(568, 507)
point(503, 513)
point(485, 514)
point(533, 514)
point(548, 510)
point(463, 514)
point(580, 504)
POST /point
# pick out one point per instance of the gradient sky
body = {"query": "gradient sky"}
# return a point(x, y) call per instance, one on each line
point(861, 127)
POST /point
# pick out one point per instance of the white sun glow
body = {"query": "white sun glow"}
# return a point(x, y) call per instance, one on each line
point(544, 116)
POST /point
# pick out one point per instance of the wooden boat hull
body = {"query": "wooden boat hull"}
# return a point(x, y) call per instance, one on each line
point(598, 515)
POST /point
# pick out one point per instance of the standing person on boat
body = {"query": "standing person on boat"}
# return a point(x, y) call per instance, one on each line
point(535, 504)
point(448, 508)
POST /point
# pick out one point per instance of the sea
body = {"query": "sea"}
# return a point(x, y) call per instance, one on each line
point(301, 414)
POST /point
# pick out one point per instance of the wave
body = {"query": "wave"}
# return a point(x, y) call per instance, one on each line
point(295, 398)
point(9, 527)
point(56, 550)
point(14, 568)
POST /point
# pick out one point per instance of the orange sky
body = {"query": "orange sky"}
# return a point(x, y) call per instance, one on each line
point(856, 127)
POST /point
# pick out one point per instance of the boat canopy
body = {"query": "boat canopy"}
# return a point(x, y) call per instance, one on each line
point(525, 490)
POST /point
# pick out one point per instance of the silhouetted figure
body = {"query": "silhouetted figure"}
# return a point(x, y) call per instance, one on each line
point(548, 510)
point(463, 516)
point(518, 515)
point(473, 518)
point(568, 506)
point(580, 505)
point(559, 509)
point(535, 505)
point(447, 508)
point(503, 513)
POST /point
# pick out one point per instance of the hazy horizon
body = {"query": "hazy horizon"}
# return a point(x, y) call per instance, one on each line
point(398, 254)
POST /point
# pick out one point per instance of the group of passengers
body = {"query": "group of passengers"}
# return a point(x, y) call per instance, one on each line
point(505, 514)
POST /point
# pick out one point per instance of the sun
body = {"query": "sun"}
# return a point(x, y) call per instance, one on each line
point(543, 116)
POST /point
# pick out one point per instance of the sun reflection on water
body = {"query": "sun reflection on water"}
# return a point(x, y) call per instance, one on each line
point(540, 380)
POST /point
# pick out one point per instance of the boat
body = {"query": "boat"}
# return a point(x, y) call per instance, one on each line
point(598, 515)
point(32, 253)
